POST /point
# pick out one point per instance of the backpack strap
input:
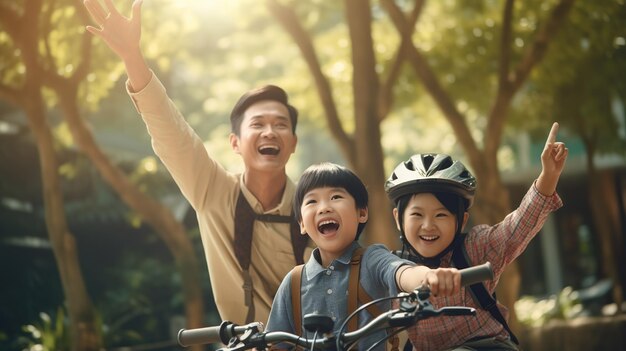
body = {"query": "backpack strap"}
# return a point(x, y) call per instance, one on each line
point(479, 291)
point(353, 286)
point(244, 225)
point(296, 306)
point(362, 297)
point(356, 296)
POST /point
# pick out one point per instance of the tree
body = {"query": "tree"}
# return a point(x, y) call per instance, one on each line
point(28, 96)
point(373, 99)
point(66, 18)
point(584, 96)
point(513, 70)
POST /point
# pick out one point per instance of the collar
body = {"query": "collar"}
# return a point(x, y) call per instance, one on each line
point(285, 206)
point(313, 267)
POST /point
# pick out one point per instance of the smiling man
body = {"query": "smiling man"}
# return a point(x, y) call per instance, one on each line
point(249, 235)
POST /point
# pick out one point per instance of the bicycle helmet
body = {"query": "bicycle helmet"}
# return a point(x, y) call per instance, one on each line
point(431, 173)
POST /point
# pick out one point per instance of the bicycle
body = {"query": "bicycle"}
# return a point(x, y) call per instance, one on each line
point(413, 307)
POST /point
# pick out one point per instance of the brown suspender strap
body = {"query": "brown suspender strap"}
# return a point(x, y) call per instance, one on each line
point(296, 281)
point(244, 224)
point(364, 298)
point(356, 296)
point(353, 286)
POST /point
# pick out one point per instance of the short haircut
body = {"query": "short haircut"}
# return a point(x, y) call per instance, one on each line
point(328, 174)
point(266, 92)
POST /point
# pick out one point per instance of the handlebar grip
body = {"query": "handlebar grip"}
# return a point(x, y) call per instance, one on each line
point(476, 274)
point(219, 334)
point(207, 335)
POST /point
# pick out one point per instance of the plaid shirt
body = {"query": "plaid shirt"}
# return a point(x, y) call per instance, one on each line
point(499, 244)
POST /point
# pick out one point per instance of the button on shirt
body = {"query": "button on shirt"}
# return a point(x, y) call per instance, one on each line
point(325, 290)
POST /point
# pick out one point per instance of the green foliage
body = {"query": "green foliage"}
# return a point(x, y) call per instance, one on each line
point(208, 52)
point(534, 312)
point(47, 334)
point(12, 69)
point(581, 80)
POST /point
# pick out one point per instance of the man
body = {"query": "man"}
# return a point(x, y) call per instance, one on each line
point(244, 218)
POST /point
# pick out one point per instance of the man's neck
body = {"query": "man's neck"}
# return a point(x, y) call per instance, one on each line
point(267, 187)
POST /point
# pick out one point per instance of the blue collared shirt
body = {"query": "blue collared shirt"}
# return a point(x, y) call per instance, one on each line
point(324, 290)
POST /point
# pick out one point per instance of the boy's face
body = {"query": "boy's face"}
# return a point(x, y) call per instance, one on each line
point(428, 225)
point(266, 140)
point(330, 217)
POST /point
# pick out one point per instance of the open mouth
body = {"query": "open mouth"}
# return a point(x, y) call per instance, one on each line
point(328, 227)
point(271, 150)
point(429, 237)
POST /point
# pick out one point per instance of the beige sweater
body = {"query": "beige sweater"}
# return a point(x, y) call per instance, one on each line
point(212, 192)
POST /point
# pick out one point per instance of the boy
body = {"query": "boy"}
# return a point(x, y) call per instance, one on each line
point(431, 194)
point(331, 207)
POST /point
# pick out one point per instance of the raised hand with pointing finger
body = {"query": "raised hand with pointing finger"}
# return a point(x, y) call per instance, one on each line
point(432, 194)
point(552, 162)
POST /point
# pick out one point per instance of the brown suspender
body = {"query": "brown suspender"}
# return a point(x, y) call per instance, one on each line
point(353, 286)
point(244, 224)
point(355, 293)
point(296, 281)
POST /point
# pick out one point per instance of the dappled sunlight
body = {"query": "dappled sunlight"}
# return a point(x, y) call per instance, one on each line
point(450, 95)
point(536, 312)
point(148, 165)
point(63, 134)
point(506, 158)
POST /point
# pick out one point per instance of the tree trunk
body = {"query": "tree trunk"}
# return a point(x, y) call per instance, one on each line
point(495, 199)
point(368, 158)
point(492, 205)
point(160, 218)
point(24, 32)
point(26, 35)
point(84, 333)
point(599, 193)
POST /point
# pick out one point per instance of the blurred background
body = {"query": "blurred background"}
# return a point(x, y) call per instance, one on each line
point(95, 238)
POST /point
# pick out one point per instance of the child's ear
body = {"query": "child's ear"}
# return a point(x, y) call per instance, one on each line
point(302, 230)
point(363, 215)
point(465, 219)
point(395, 216)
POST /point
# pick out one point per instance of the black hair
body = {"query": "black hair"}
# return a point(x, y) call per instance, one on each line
point(328, 174)
point(266, 92)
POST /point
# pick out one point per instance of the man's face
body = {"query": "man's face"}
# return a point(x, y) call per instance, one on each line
point(266, 140)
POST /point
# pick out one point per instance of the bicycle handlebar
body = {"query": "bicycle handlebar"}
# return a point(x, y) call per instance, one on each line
point(414, 307)
point(476, 274)
point(221, 333)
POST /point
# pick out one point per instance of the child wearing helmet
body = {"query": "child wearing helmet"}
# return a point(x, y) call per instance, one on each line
point(331, 205)
point(431, 194)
